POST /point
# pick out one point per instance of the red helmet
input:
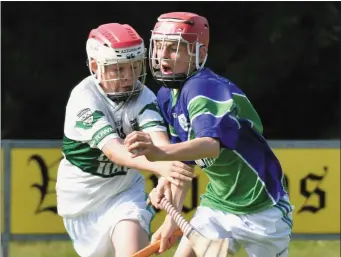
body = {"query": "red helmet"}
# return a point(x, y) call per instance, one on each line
point(185, 27)
point(116, 43)
point(193, 27)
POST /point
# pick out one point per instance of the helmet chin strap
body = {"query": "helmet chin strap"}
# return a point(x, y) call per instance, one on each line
point(122, 97)
point(175, 81)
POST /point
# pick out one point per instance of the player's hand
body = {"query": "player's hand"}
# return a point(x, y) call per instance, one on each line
point(140, 143)
point(165, 235)
point(163, 189)
point(165, 232)
point(175, 172)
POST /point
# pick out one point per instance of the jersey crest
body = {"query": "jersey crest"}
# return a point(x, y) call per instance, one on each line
point(183, 122)
point(86, 116)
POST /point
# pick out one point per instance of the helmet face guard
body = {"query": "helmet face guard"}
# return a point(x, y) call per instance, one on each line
point(137, 78)
point(117, 48)
point(178, 28)
point(173, 80)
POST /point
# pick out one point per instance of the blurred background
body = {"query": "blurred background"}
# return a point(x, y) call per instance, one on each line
point(284, 55)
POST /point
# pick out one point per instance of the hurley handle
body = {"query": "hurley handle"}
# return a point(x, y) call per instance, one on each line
point(183, 224)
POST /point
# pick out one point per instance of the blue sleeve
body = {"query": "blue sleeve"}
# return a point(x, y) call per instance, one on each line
point(212, 111)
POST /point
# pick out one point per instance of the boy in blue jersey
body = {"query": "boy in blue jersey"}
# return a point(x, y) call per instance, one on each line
point(212, 122)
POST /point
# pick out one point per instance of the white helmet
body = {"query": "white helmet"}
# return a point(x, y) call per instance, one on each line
point(116, 43)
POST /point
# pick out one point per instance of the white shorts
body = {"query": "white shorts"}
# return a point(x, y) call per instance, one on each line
point(91, 232)
point(263, 234)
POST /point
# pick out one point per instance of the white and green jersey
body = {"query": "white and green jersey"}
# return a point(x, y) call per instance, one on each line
point(86, 177)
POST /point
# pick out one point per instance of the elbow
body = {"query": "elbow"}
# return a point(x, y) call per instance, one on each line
point(215, 154)
point(116, 153)
point(119, 162)
point(115, 159)
point(214, 147)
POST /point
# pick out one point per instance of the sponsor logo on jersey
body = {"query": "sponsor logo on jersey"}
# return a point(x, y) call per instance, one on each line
point(99, 135)
point(183, 122)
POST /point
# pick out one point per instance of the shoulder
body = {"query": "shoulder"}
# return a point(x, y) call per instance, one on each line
point(145, 100)
point(163, 94)
point(207, 84)
point(84, 91)
point(146, 96)
point(147, 93)
point(84, 100)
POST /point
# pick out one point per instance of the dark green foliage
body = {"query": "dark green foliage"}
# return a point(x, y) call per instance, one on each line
point(284, 55)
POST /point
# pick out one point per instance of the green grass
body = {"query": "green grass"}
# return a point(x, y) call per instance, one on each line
point(298, 248)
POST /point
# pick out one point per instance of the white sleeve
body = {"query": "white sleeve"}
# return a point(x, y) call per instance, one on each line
point(149, 117)
point(87, 118)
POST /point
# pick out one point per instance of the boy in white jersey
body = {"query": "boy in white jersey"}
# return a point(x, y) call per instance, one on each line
point(212, 122)
point(100, 192)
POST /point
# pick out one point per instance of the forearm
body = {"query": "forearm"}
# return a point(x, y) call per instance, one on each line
point(178, 197)
point(119, 154)
point(195, 149)
point(159, 138)
point(179, 194)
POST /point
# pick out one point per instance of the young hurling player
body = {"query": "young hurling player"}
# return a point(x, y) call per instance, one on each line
point(100, 192)
point(212, 122)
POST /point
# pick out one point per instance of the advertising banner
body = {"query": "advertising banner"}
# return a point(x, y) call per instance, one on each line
point(313, 178)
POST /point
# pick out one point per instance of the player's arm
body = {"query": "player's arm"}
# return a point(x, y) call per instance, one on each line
point(212, 117)
point(159, 136)
point(212, 120)
point(199, 148)
point(205, 147)
point(179, 191)
point(191, 150)
point(177, 196)
point(93, 127)
point(174, 172)
point(116, 152)
point(149, 120)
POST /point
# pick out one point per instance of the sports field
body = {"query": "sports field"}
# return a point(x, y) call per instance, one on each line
point(298, 248)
